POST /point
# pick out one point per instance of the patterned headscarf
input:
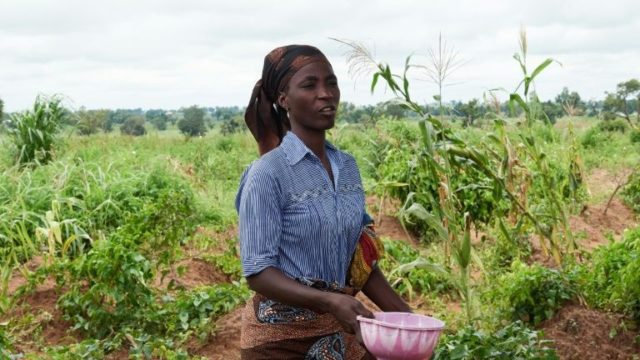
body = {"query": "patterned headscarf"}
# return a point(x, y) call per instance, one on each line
point(266, 119)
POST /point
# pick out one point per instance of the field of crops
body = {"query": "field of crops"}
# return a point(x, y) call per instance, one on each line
point(126, 246)
point(521, 233)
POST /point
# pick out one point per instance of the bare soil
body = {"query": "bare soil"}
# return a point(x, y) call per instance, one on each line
point(593, 226)
point(46, 325)
point(582, 333)
point(197, 272)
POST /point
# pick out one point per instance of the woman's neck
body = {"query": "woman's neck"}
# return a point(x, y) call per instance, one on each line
point(314, 140)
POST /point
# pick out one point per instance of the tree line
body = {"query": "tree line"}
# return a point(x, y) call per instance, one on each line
point(623, 102)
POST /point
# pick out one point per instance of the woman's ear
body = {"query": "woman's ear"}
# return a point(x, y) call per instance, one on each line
point(282, 100)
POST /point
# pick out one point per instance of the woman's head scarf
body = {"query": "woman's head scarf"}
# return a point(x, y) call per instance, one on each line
point(267, 120)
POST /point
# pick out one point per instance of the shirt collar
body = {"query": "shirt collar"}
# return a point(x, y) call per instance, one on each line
point(295, 150)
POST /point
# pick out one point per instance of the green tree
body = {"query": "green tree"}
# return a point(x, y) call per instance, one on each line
point(91, 121)
point(611, 105)
point(1, 110)
point(134, 126)
point(158, 118)
point(570, 102)
point(192, 124)
point(231, 126)
point(626, 89)
point(471, 111)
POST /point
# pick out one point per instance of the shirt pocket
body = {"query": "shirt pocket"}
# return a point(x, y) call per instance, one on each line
point(303, 220)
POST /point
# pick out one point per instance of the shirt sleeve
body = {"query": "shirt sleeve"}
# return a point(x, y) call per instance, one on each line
point(260, 222)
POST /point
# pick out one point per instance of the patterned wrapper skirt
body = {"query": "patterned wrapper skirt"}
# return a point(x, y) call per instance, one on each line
point(272, 330)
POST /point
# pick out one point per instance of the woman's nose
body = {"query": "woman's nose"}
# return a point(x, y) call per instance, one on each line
point(325, 92)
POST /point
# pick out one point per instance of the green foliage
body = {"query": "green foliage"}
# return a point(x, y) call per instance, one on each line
point(570, 102)
point(619, 125)
point(5, 344)
point(117, 293)
point(193, 310)
point(511, 244)
point(109, 287)
point(514, 341)
point(634, 135)
point(86, 202)
point(193, 122)
point(471, 111)
point(631, 192)
point(133, 126)
point(404, 163)
point(86, 349)
point(33, 133)
point(531, 294)
point(91, 121)
point(229, 261)
point(231, 126)
point(409, 280)
point(158, 118)
point(612, 278)
point(593, 138)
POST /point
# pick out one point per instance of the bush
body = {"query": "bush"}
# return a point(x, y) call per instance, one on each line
point(133, 126)
point(619, 125)
point(514, 341)
point(634, 135)
point(594, 137)
point(158, 118)
point(531, 294)
point(33, 133)
point(230, 126)
point(91, 121)
point(612, 279)
point(631, 192)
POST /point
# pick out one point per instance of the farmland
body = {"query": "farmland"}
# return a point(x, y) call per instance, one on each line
point(126, 246)
point(518, 229)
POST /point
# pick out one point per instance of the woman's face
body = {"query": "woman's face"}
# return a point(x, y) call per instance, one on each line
point(312, 97)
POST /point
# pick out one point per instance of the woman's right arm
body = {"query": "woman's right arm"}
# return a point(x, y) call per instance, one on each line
point(273, 284)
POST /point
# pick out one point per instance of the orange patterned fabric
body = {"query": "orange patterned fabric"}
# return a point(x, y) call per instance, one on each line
point(365, 259)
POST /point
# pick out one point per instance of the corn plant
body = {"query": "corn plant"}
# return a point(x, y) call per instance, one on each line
point(559, 239)
point(33, 133)
point(525, 101)
point(443, 154)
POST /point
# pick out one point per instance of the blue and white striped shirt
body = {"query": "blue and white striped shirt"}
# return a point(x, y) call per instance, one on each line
point(293, 218)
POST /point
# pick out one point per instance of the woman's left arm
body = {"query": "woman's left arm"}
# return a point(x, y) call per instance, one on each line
point(377, 289)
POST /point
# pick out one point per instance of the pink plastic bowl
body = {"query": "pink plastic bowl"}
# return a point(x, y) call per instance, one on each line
point(400, 336)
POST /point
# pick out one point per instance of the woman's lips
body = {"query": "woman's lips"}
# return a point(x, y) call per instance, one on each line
point(328, 110)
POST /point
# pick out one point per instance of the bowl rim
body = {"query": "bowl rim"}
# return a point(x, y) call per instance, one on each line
point(403, 327)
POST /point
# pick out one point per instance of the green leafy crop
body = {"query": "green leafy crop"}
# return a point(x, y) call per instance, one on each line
point(514, 341)
point(531, 294)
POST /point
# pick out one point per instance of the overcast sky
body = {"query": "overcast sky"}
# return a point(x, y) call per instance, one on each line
point(169, 54)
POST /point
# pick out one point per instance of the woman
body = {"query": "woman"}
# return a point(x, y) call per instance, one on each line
point(301, 208)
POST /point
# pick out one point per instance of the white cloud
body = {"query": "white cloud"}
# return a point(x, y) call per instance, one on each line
point(168, 54)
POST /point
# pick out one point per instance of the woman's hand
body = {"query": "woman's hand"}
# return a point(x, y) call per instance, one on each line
point(345, 309)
